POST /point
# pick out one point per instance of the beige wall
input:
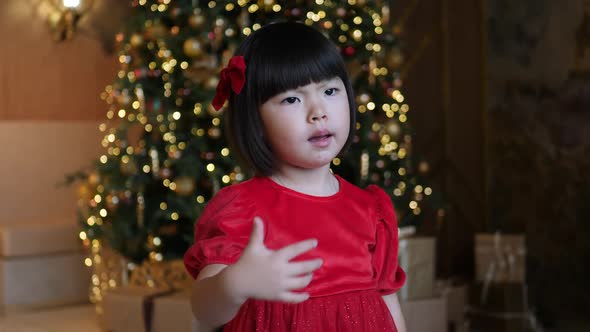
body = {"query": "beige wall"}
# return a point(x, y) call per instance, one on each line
point(35, 157)
point(49, 112)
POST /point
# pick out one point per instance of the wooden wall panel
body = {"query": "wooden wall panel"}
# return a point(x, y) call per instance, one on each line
point(444, 85)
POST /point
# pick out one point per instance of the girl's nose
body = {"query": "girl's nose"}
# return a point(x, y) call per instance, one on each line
point(317, 117)
point(317, 112)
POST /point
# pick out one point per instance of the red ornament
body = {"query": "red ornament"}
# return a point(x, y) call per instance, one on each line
point(349, 51)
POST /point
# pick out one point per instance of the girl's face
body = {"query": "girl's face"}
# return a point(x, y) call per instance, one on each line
point(308, 126)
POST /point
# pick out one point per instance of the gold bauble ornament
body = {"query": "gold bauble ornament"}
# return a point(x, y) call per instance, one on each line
point(185, 185)
point(136, 40)
point(155, 31)
point(193, 48)
point(393, 128)
point(212, 82)
point(196, 20)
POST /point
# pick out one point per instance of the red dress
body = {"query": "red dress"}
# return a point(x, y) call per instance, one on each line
point(357, 240)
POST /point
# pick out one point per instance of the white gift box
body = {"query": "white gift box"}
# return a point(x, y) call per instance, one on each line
point(417, 258)
point(41, 265)
point(425, 315)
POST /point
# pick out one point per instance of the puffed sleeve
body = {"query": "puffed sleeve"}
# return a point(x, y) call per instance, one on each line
point(222, 231)
point(390, 276)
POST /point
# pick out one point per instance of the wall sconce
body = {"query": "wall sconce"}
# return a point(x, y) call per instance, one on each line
point(64, 16)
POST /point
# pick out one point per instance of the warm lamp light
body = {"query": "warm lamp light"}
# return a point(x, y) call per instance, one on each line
point(71, 3)
point(64, 16)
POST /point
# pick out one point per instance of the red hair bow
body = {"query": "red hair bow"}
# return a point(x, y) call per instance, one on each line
point(232, 77)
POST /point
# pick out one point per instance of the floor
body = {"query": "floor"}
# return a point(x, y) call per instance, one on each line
point(65, 319)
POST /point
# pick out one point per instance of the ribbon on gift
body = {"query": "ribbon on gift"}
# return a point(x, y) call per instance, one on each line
point(148, 308)
point(504, 260)
point(167, 276)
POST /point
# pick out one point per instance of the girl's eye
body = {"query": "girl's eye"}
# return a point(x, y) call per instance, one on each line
point(331, 92)
point(290, 100)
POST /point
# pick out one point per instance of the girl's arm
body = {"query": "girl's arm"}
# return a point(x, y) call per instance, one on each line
point(396, 312)
point(213, 301)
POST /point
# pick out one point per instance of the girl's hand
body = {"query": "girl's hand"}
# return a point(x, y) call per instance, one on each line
point(266, 274)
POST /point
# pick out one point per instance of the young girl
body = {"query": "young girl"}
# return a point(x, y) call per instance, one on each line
point(295, 248)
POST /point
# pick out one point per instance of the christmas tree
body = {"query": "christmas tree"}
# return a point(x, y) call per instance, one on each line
point(166, 155)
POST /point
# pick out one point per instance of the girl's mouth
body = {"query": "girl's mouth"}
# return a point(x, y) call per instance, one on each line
point(321, 138)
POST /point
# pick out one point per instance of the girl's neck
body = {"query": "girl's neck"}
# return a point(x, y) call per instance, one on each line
point(315, 182)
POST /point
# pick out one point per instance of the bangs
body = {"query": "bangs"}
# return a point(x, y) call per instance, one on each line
point(290, 71)
point(296, 58)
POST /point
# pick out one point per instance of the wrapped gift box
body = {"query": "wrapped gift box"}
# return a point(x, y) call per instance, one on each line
point(130, 308)
point(425, 315)
point(39, 237)
point(173, 313)
point(43, 281)
point(456, 296)
point(500, 257)
point(41, 265)
point(417, 258)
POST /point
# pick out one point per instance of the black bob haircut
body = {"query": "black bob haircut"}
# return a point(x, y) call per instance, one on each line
point(279, 57)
